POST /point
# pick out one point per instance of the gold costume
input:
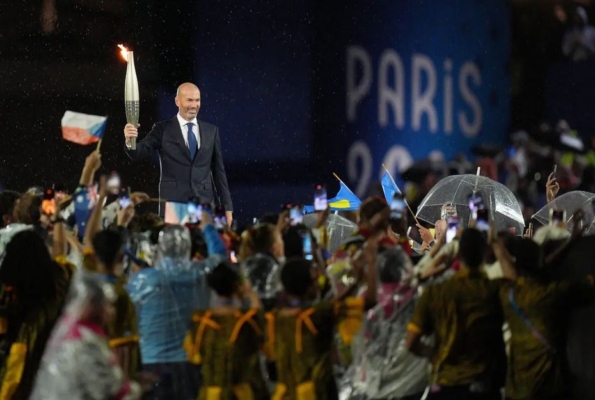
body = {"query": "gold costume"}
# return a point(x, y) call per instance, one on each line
point(300, 341)
point(228, 348)
point(25, 336)
point(535, 366)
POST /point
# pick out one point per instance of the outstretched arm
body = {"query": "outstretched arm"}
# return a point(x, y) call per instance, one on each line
point(145, 147)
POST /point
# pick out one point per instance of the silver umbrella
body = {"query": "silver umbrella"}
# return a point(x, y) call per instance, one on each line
point(338, 228)
point(571, 202)
point(504, 208)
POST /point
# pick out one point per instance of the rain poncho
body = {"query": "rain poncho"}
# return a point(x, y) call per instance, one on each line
point(166, 295)
point(139, 250)
point(263, 271)
point(382, 367)
point(78, 363)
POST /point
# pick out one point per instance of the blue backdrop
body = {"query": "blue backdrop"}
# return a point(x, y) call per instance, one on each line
point(401, 79)
point(303, 89)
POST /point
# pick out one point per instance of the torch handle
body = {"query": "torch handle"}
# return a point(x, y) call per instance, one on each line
point(133, 143)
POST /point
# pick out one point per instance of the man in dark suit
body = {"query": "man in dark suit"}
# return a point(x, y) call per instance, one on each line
point(189, 152)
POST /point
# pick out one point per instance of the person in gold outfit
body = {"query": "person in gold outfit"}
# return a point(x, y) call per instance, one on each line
point(226, 340)
point(300, 332)
point(34, 287)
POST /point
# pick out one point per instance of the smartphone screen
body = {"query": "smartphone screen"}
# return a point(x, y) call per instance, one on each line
point(397, 207)
point(113, 183)
point(296, 215)
point(307, 246)
point(475, 203)
point(124, 197)
point(320, 198)
point(483, 220)
point(194, 212)
point(452, 227)
point(413, 234)
point(557, 216)
point(219, 218)
point(447, 211)
point(232, 257)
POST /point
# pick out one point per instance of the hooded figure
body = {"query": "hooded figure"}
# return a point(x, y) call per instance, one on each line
point(78, 363)
point(165, 297)
point(263, 272)
point(139, 253)
point(382, 366)
point(579, 39)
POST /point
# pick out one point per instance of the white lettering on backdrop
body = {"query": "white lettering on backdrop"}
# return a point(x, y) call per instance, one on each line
point(424, 113)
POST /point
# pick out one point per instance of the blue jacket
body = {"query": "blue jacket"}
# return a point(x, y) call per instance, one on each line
point(165, 297)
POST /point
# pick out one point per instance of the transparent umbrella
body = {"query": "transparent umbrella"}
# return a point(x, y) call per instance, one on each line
point(571, 202)
point(338, 228)
point(504, 208)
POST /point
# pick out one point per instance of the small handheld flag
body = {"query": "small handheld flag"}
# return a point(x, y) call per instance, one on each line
point(345, 200)
point(389, 187)
point(83, 128)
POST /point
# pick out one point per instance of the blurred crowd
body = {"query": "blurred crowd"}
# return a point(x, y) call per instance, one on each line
point(117, 304)
point(524, 166)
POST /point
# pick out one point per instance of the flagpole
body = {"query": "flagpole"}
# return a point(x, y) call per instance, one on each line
point(99, 144)
point(395, 183)
point(337, 176)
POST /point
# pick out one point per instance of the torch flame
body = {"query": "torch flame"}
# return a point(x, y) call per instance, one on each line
point(123, 52)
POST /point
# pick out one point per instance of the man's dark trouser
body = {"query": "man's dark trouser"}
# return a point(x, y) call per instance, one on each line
point(179, 380)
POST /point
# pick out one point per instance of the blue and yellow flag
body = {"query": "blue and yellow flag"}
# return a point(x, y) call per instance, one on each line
point(345, 200)
point(389, 187)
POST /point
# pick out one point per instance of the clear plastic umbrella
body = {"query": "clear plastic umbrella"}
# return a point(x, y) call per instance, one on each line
point(338, 228)
point(571, 202)
point(504, 208)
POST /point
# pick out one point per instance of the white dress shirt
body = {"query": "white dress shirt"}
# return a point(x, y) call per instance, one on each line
point(184, 129)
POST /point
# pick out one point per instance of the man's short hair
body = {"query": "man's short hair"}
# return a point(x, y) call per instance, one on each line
point(472, 248)
point(224, 279)
point(28, 209)
point(296, 276)
point(108, 246)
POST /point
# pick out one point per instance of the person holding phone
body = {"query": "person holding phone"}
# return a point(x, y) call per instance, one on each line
point(465, 315)
point(552, 187)
point(190, 154)
point(165, 297)
point(430, 240)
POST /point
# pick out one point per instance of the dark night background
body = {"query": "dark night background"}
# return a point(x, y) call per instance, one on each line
point(268, 56)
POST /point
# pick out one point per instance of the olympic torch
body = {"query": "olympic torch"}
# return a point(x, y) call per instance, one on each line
point(131, 97)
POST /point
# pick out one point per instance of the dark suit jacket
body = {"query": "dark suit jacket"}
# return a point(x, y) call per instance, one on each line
point(181, 177)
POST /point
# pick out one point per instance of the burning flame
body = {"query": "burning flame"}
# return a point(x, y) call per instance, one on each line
point(123, 52)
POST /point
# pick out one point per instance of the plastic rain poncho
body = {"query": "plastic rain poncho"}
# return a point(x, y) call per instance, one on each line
point(382, 367)
point(78, 363)
point(166, 295)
